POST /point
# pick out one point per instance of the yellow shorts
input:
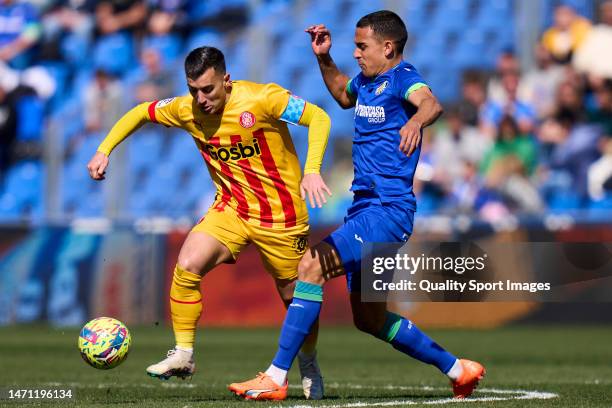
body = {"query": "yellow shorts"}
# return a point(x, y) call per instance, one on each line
point(280, 249)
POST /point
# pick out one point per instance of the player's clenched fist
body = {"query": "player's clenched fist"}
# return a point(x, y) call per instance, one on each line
point(97, 166)
point(320, 38)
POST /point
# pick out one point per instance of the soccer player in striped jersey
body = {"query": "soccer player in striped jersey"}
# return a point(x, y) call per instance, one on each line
point(240, 129)
point(393, 103)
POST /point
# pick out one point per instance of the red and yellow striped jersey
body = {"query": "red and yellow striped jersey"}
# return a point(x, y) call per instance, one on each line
point(248, 150)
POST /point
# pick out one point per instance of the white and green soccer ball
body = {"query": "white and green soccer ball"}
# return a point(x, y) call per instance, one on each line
point(104, 342)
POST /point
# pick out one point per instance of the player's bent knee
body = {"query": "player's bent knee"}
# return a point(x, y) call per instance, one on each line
point(191, 264)
point(188, 266)
point(309, 270)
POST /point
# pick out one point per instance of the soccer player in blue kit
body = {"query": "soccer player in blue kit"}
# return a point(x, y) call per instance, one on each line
point(393, 103)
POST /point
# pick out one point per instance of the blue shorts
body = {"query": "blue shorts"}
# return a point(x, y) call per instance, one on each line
point(368, 220)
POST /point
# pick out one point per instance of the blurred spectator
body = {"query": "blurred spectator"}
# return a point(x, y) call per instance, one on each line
point(166, 16)
point(571, 148)
point(568, 32)
point(154, 81)
point(474, 97)
point(507, 64)
point(512, 151)
point(466, 188)
point(24, 95)
point(36, 78)
point(102, 102)
point(116, 15)
point(538, 87)
point(493, 112)
point(593, 56)
point(570, 98)
point(508, 165)
point(19, 31)
point(67, 17)
point(600, 172)
point(8, 128)
point(602, 115)
point(453, 145)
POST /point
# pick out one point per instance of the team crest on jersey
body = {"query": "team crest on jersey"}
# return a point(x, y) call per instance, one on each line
point(163, 102)
point(381, 88)
point(300, 244)
point(247, 120)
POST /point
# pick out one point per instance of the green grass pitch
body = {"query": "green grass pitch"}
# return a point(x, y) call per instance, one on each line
point(570, 365)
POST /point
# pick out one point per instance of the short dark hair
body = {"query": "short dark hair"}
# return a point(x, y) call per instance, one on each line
point(203, 58)
point(388, 26)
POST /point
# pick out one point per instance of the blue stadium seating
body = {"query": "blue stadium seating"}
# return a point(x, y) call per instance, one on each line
point(564, 200)
point(203, 37)
point(76, 50)
point(60, 72)
point(168, 46)
point(30, 115)
point(23, 191)
point(446, 37)
point(114, 53)
point(602, 206)
point(144, 149)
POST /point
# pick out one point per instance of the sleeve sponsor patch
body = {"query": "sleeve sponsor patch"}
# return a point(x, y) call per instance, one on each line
point(294, 110)
point(163, 102)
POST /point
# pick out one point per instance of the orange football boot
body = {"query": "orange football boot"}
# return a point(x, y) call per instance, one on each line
point(260, 388)
point(465, 385)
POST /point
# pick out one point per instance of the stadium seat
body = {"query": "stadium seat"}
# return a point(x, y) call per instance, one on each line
point(92, 206)
point(237, 61)
point(9, 210)
point(602, 206)
point(76, 50)
point(168, 46)
point(60, 73)
point(563, 200)
point(204, 37)
point(24, 188)
point(183, 153)
point(114, 53)
point(144, 149)
point(152, 197)
point(30, 116)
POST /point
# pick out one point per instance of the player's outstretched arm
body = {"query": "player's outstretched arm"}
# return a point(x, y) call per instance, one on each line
point(335, 80)
point(312, 184)
point(128, 124)
point(428, 111)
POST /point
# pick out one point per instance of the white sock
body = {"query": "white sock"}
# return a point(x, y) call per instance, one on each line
point(279, 376)
point(184, 349)
point(455, 371)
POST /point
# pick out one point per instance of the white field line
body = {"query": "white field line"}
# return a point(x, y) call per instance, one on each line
point(498, 394)
point(502, 395)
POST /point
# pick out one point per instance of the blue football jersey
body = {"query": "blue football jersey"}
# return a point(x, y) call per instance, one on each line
point(382, 108)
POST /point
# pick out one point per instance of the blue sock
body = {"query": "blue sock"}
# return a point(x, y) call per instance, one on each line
point(301, 314)
point(407, 338)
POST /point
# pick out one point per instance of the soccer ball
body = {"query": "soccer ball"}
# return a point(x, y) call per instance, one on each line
point(104, 343)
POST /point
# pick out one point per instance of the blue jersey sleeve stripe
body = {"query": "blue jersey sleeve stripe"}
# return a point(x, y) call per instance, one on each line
point(413, 88)
point(348, 87)
point(294, 110)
